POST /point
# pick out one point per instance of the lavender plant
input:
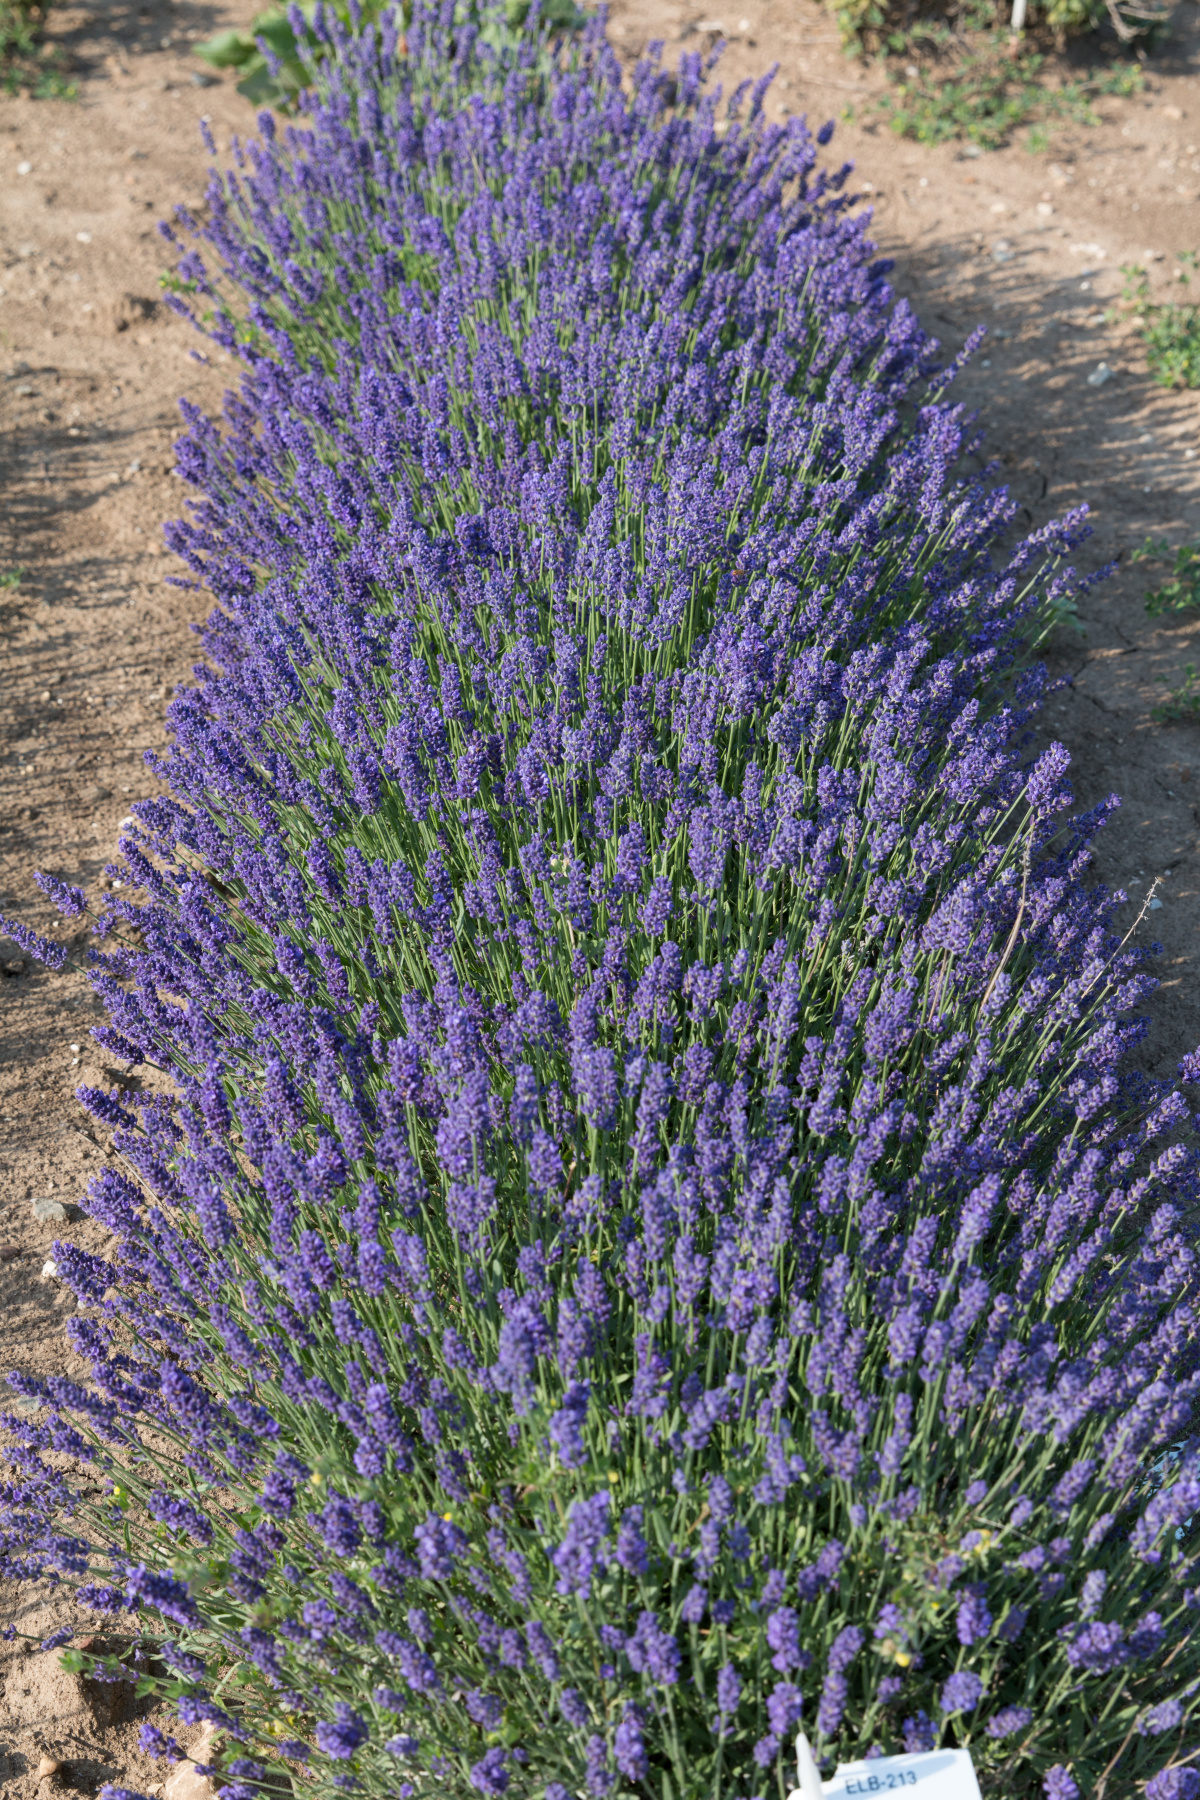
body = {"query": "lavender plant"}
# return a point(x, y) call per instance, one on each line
point(653, 1237)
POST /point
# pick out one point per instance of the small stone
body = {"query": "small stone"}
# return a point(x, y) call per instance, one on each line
point(1099, 375)
point(50, 1212)
point(96, 792)
point(24, 168)
point(1154, 905)
point(9, 1252)
point(202, 79)
point(1044, 208)
point(49, 1765)
point(83, 237)
point(1172, 112)
point(185, 1782)
point(49, 1270)
point(1002, 251)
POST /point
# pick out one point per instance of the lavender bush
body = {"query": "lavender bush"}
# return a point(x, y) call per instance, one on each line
point(655, 1238)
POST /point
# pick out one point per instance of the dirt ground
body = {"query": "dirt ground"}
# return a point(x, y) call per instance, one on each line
point(93, 639)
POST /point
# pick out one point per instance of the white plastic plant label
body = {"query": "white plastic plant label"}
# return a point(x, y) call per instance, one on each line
point(926, 1775)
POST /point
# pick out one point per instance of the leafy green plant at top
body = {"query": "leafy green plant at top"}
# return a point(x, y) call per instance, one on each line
point(27, 61)
point(876, 24)
point(1182, 589)
point(277, 68)
point(1183, 702)
point(987, 91)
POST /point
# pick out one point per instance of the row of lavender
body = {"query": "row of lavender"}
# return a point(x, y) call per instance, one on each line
point(655, 1240)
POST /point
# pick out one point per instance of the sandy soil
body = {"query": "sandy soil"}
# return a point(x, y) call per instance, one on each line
point(90, 373)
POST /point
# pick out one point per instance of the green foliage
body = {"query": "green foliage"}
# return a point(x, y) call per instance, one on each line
point(991, 92)
point(281, 85)
point(11, 578)
point(27, 61)
point(880, 23)
point(1169, 330)
point(974, 79)
point(1182, 590)
point(1183, 702)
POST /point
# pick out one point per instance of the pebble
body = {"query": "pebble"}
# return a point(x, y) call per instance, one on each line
point(50, 1212)
point(9, 1252)
point(1154, 905)
point(202, 80)
point(1099, 375)
point(49, 1269)
point(1002, 251)
point(49, 1765)
point(24, 168)
point(83, 237)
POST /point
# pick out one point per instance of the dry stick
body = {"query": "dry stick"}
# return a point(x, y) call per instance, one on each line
point(1012, 936)
point(1157, 882)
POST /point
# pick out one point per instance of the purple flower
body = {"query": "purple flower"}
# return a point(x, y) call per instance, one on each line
point(42, 949)
point(566, 1426)
point(342, 1738)
point(490, 1775)
point(1008, 1721)
point(783, 1638)
point(1163, 1717)
point(653, 1651)
point(1059, 1784)
point(961, 1693)
point(974, 1620)
point(628, 1747)
point(1179, 1783)
point(599, 1778)
point(440, 1544)
point(584, 1551)
point(835, 1690)
point(784, 1706)
point(631, 1553)
point(918, 1733)
point(70, 900)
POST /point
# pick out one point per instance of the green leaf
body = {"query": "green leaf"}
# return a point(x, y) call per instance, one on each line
point(277, 32)
point(228, 50)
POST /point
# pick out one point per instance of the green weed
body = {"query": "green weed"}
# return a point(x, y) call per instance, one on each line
point(27, 61)
point(991, 89)
point(1169, 330)
point(1184, 702)
point(11, 578)
point(1182, 590)
point(278, 76)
